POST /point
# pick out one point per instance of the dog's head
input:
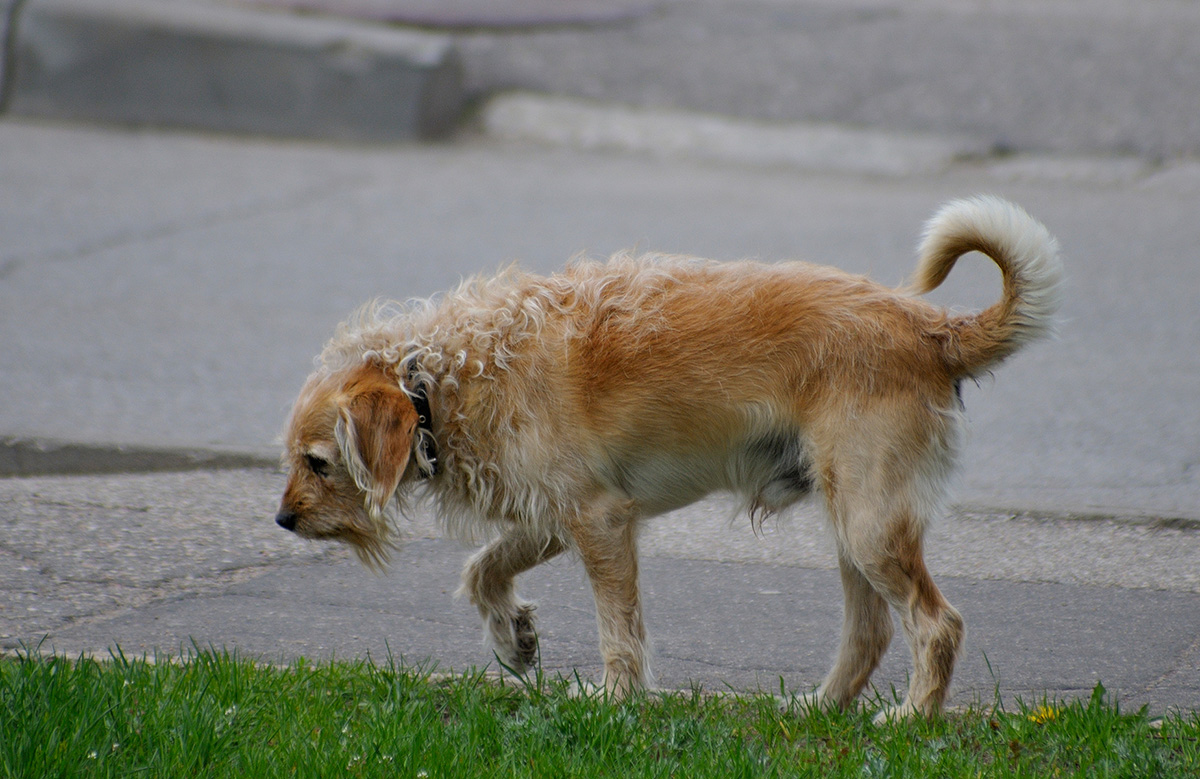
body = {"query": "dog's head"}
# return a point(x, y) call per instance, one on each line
point(349, 445)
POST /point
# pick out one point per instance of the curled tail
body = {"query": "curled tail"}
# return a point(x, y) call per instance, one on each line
point(1028, 259)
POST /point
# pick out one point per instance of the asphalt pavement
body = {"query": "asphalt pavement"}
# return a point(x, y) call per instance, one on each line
point(163, 292)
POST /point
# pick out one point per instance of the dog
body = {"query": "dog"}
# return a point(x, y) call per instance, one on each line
point(557, 413)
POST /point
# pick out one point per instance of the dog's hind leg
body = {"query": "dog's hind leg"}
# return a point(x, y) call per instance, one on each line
point(866, 633)
point(894, 565)
point(606, 540)
point(935, 632)
point(882, 478)
point(488, 582)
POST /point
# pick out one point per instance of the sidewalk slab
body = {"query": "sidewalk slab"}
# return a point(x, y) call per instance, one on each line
point(230, 69)
point(718, 625)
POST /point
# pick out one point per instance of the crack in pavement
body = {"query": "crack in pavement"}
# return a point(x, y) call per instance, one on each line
point(66, 604)
point(316, 193)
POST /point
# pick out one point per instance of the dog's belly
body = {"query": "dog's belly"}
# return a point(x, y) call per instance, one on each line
point(659, 484)
point(771, 471)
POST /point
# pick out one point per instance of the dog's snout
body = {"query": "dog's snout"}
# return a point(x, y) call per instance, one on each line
point(286, 519)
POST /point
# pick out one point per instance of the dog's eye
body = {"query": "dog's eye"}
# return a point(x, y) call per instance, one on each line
point(318, 465)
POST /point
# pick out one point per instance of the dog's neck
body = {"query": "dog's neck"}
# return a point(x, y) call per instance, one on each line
point(425, 439)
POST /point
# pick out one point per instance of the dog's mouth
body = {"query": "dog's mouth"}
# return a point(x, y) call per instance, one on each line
point(370, 547)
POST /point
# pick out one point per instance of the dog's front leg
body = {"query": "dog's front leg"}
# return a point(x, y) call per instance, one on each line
point(488, 582)
point(606, 541)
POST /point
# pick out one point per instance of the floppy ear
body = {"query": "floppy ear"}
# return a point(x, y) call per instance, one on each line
point(374, 431)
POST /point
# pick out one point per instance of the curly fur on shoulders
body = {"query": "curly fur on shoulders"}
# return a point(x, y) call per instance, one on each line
point(488, 327)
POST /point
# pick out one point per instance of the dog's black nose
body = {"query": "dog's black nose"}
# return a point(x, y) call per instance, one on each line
point(286, 519)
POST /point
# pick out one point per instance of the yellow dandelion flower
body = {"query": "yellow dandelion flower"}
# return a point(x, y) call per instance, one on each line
point(1043, 714)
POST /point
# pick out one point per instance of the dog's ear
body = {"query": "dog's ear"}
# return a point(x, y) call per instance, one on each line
point(374, 432)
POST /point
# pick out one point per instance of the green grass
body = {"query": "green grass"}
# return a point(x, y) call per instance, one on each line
point(216, 715)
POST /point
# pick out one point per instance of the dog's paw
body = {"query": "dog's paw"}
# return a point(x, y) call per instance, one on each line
point(514, 638)
point(526, 639)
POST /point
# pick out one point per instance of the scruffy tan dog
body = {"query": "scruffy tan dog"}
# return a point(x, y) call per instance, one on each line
point(562, 411)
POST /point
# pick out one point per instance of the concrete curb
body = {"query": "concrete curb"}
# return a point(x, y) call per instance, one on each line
point(229, 69)
point(584, 125)
point(28, 457)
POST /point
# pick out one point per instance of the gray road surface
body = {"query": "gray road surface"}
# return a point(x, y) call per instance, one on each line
point(171, 290)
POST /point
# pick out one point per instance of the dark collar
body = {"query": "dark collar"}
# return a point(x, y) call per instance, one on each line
point(425, 439)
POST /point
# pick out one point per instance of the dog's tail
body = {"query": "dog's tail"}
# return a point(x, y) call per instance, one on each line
point(1028, 259)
